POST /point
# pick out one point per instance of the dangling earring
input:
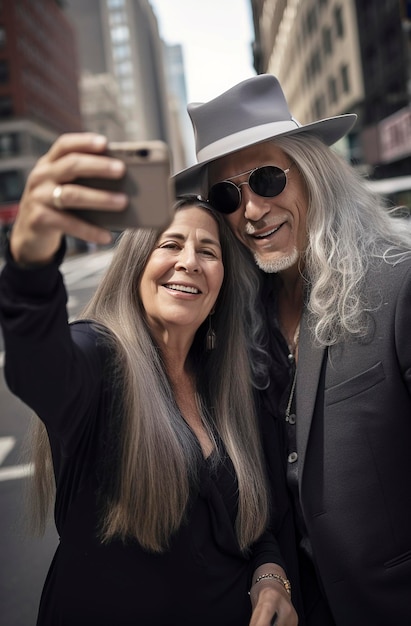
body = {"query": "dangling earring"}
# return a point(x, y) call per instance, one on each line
point(210, 336)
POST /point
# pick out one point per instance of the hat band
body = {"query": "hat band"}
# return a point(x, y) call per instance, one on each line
point(244, 138)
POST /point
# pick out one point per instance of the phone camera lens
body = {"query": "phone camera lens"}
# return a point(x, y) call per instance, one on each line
point(142, 152)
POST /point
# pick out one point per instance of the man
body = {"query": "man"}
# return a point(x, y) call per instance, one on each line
point(337, 296)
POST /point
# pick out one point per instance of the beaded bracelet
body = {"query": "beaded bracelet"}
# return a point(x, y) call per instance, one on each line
point(284, 581)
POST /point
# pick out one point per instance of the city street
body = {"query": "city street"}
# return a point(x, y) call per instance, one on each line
point(25, 560)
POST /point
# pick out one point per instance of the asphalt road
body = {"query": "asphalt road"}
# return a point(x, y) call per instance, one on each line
point(25, 559)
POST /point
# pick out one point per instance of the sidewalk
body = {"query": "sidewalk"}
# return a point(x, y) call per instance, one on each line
point(72, 257)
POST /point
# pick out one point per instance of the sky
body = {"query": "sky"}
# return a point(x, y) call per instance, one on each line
point(216, 37)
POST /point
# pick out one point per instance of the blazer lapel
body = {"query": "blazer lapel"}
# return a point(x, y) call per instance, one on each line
point(308, 373)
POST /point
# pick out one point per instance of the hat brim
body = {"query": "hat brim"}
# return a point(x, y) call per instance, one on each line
point(193, 179)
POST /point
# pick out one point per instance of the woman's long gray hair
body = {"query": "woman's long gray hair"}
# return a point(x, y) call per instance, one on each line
point(349, 228)
point(157, 455)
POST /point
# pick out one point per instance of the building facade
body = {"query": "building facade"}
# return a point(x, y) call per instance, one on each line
point(38, 98)
point(120, 38)
point(344, 56)
point(100, 106)
point(183, 140)
point(71, 65)
point(385, 44)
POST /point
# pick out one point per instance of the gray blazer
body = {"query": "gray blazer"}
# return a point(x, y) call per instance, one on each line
point(353, 442)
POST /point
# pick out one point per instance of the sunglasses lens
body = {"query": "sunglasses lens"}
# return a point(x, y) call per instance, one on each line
point(225, 197)
point(268, 181)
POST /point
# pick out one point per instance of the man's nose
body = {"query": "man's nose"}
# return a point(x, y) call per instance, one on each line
point(253, 205)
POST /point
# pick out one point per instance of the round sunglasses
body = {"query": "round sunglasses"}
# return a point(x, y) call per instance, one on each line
point(267, 181)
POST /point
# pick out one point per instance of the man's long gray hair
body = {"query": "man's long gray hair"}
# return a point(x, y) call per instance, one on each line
point(349, 230)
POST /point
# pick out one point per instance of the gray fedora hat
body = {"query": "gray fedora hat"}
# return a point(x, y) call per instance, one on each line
point(251, 112)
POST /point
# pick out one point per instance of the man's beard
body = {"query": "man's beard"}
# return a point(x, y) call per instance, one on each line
point(272, 266)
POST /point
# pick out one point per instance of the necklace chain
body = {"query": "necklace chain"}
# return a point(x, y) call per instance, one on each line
point(293, 347)
point(292, 391)
point(291, 397)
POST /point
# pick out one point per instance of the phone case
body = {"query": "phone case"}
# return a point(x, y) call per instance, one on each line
point(147, 183)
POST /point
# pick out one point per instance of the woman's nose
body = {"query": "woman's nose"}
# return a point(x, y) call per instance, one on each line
point(187, 260)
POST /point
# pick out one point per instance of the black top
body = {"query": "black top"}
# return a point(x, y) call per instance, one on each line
point(279, 401)
point(61, 371)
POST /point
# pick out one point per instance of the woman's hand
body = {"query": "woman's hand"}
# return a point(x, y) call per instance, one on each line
point(270, 601)
point(41, 222)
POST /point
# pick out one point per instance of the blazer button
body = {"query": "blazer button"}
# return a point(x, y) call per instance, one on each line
point(292, 457)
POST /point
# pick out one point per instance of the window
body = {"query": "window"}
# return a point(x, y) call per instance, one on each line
point(115, 4)
point(11, 186)
point(6, 106)
point(39, 146)
point(4, 72)
point(120, 34)
point(393, 45)
point(332, 90)
point(128, 100)
point(345, 79)
point(124, 69)
point(121, 51)
point(3, 36)
point(319, 107)
point(312, 21)
point(316, 62)
point(371, 60)
point(9, 145)
point(126, 84)
point(117, 18)
point(339, 24)
point(405, 8)
point(327, 40)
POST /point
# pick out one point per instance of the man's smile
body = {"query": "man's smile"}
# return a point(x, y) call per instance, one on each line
point(262, 233)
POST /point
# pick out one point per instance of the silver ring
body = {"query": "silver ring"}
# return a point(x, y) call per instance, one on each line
point(56, 201)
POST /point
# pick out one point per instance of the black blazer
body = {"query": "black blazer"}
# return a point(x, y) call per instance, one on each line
point(353, 443)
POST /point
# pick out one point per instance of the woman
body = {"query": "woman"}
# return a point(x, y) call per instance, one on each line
point(149, 427)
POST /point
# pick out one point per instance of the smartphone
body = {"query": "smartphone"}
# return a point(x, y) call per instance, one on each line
point(147, 182)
